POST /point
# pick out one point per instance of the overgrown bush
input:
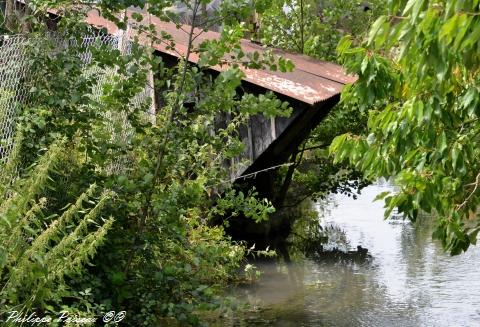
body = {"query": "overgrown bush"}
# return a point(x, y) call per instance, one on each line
point(38, 252)
point(160, 258)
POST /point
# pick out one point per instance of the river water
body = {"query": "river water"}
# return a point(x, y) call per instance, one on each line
point(409, 280)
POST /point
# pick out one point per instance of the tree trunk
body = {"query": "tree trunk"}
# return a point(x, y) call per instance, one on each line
point(9, 15)
point(26, 28)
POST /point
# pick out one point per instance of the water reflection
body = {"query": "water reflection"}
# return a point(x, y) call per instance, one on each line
point(409, 282)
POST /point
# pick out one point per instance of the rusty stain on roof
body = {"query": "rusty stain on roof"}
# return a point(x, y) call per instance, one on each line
point(311, 81)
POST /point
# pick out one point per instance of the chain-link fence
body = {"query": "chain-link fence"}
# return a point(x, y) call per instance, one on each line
point(14, 70)
point(12, 90)
point(116, 123)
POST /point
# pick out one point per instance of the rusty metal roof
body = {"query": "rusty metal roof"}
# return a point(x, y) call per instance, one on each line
point(311, 81)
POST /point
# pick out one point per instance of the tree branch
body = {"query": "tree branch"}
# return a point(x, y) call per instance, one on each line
point(475, 184)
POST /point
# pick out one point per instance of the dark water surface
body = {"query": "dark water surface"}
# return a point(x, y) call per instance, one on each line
point(409, 281)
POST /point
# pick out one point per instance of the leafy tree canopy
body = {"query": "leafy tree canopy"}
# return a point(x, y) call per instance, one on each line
point(313, 27)
point(419, 82)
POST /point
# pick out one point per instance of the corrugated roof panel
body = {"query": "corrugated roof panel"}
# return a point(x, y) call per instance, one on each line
point(311, 81)
point(298, 84)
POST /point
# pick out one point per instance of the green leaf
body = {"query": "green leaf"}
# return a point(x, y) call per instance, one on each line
point(381, 196)
point(416, 9)
point(408, 6)
point(375, 29)
point(455, 152)
point(4, 219)
point(442, 142)
point(472, 39)
point(449, 29)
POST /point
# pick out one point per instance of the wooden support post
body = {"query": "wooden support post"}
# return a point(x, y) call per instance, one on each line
point(9, 15)
point(122, 36)
point(153, 105)
point(26, 20)
point(251, 144)
point(151, 79)
point(273, 129)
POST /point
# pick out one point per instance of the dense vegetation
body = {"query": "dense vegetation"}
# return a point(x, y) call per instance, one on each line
point(419, 84)
point(106, 197)
point(123, 198)
point(105, 207)
point(314, 28)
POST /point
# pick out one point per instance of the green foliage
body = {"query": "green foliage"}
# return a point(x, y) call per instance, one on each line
point(419, 82)
point(316, 175)
point(37, 252)
point(235, 203)
point(314, 27)
point(160, 258)
point(168, 171)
